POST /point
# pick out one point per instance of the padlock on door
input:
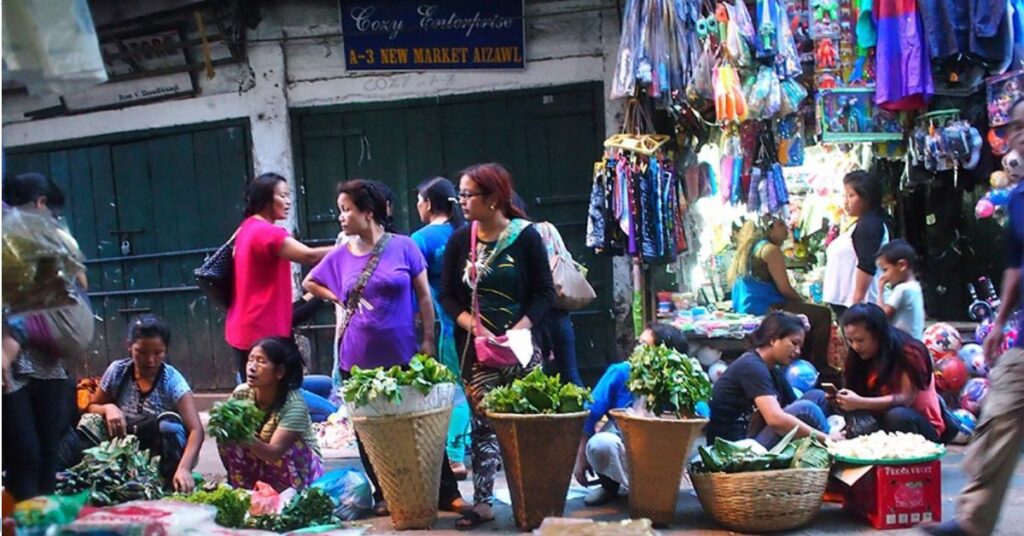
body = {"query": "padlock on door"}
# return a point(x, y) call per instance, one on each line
point(126, 247)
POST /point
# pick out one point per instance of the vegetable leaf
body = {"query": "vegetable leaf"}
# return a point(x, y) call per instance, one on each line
point(537, 393)
point(669, 381)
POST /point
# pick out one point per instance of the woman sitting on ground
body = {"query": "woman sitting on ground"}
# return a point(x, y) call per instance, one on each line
point(144, 396)
point(754, 385)
point(284, 452)
point(889, 375)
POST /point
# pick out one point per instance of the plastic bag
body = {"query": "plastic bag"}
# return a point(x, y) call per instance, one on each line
point(350, 490)
point(265, 500)
point(40, 262)
point(62, 332)
point(793, 94)
point(49, 510)
point(860, 423)
point(735, 44)
point(701, 84)
point(624, 81)
point(730, 104)
point(787, 60)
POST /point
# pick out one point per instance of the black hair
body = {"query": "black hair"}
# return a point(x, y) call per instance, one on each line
point(867, 185)
point(776, 325)
point(670, 336)
point(283, 352)
point(898, 353)
point(898, 250)
point(29, 188)
point(443, 198)
point(260, 193)
point(147, 326)
point(520, 203)
point(371, 196)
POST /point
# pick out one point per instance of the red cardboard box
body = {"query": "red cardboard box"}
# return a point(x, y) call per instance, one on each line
point(892, 496)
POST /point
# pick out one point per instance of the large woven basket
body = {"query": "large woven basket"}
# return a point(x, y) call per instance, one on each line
point(413, 401)
point(656, 449)
point(539, 452)
point(762, 501)
point(406, 452)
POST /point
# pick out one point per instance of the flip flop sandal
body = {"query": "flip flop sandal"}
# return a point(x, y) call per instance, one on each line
point(471, 520)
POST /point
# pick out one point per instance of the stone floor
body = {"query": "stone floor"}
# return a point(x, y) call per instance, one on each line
point(690, 518)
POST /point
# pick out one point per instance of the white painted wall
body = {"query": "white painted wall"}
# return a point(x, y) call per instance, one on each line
point(567, 41)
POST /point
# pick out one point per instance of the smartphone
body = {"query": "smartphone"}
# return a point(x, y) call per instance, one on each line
point(829, 388)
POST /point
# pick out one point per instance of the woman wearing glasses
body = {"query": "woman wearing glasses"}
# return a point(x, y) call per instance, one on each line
point(513, 284)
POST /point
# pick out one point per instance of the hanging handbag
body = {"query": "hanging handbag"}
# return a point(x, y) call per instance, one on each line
point(493, 352)
point(216, 276)
point(572, 291)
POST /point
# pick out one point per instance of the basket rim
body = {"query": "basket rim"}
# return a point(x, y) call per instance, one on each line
point(403, 416)
point(771, 472)
point(623, 413)
point(536, 416)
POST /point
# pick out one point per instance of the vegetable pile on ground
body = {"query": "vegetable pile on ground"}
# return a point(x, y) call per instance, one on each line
point(422, 373)
point(309, 508)
point(886, 446)
point(116, 471)
point(232, 504)
point(668, 381)
point(234, 420)
point(537, 393)
point(749, 456)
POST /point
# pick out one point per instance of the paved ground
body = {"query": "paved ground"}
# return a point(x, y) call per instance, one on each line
point(690, 518)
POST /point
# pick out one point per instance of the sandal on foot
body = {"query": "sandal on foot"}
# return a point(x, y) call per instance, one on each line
point(471, 519)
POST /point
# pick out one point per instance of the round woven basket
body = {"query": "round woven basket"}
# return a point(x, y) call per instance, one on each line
point(538, 452)
point(406, 452)
point(762, 501)
point(656, 449)
point(413, 401)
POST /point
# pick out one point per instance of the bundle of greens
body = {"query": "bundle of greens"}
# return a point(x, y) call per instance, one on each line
point(117, 471)
point(669, 381)
point(234, 420)
point(40, 262)
point(748, 456)
point(537, 393)
point(309, 508)
point(422, 373)
point(232, 504)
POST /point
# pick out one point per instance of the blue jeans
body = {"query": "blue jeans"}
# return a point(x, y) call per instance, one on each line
point(316, 391)
point(909, 420)
point(811, 409)
point(563, 346)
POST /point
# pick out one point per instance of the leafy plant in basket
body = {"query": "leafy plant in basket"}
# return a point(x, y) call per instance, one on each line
point(422, 373)
point(537, 393)
point(668, 381)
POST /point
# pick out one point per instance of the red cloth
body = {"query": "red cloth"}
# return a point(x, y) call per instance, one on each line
point(927, 401)
point(261, 305)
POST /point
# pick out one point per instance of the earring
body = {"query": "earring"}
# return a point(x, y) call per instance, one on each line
point(494, 207)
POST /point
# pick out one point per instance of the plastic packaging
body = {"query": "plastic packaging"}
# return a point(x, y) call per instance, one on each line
point(49, 510)
point(624, 82)
point(265, 500)
point(350, 490)
point(40, 262)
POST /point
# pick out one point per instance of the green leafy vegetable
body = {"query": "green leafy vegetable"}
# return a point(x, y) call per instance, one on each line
point(311, 507)
point(116, 471)
point(537, 393)
point(422, 373)
point(234, 420)
point(811, 454)
point(743, 456)
point(232, 504)
point(669, 381)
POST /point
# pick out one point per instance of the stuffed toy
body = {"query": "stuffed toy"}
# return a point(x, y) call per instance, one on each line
point(825, 55)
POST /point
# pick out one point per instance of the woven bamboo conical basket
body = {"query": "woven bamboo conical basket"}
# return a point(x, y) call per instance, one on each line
point(406, 452)
point(656, 449)
point(539, 452)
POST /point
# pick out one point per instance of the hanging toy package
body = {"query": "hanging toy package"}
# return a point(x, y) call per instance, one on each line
point(789, 132)
point(701, 86)
point(624, 82)
point(787, 61)
point(793, 94)
point(730, 105)
point(767, 28)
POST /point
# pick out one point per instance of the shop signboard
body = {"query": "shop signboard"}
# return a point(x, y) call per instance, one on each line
point(416, 35)
point(140, 70)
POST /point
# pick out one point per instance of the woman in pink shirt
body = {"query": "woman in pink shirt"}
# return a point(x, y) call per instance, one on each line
point(261, 304)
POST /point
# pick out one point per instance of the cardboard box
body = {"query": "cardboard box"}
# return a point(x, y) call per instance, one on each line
point(891, 496)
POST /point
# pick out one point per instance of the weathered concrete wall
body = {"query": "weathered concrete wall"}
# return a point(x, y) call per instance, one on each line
point(566, 42)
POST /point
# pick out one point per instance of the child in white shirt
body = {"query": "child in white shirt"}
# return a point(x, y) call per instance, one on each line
point(899, 293)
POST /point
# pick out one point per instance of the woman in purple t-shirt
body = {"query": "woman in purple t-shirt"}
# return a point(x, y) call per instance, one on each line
point(382, 329)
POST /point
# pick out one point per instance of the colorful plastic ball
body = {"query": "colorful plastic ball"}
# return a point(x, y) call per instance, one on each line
point(974, 357)
point(702, 409)
point(973, 395)
point(982, 331)
point(999, 179)
point(950, 374)
point(999, 197)
point(965, 422)
point(716, 370)
point(984, 209)
point(1010, 338)
point(802, 375)
point(941, 339)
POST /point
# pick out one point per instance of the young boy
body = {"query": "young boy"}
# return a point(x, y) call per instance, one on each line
point(903, 301)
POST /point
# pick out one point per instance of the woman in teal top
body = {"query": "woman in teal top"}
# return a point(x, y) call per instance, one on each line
point(436, 203)
point(760, 283)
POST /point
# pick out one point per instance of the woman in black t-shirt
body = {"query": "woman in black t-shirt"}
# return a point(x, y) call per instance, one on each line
point(753, 399)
